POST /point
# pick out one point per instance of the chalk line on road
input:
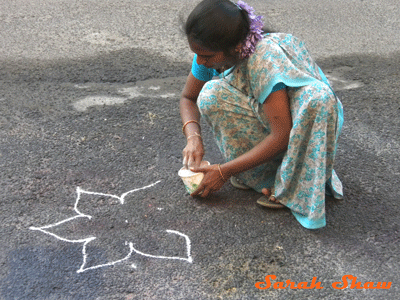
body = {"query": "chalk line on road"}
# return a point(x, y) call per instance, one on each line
point(45, 229)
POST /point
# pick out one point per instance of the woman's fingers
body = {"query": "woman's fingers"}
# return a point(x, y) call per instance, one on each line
point(198, 161)
point(202, 192)
point(191, 161)
point(198, 192)
point(205, 193)
point(185, 162)
point(198, 169)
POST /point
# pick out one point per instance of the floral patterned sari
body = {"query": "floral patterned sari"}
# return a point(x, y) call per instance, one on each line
point(232, 106)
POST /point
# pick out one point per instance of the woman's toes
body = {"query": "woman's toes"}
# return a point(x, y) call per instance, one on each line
point(266, 192)
point(273, 199)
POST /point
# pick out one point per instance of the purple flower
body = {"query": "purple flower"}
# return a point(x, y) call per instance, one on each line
point(254, 34)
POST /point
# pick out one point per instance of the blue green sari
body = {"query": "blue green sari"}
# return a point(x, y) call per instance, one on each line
point(232, 106)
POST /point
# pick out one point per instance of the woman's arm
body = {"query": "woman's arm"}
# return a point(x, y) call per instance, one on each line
point(277, 110)
point(194, 151)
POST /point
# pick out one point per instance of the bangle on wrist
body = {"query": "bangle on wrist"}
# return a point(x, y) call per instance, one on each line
point(190, 121)
point(195, 134)
point(220, 172)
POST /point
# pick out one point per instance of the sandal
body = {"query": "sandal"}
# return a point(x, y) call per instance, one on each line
point(264, 201)
point(237, 183)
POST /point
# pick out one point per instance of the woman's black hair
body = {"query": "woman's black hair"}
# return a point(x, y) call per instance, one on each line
point(217, 25)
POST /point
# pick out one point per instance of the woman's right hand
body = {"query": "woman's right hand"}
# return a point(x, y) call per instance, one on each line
point(193, 152)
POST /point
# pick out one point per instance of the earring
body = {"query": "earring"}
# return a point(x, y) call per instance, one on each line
point(238, 48)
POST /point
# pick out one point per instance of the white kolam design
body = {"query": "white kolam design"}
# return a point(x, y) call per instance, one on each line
point(86, 241)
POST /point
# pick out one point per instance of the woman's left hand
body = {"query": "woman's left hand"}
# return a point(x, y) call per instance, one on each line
point(211, 182)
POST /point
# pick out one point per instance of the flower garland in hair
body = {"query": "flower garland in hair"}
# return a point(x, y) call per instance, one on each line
point(255, 34)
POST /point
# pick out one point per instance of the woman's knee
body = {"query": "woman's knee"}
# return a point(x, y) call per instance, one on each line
point(323, 100)
point(206, 100)
point(209, 95)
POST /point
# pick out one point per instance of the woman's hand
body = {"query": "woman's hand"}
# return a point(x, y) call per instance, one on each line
point(193, 152)
point(211, 182)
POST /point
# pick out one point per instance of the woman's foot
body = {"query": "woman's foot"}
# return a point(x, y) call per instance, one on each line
point(269, 200)
point(268, 193)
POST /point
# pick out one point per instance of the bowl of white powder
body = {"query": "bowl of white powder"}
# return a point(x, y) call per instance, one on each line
point(190, 179)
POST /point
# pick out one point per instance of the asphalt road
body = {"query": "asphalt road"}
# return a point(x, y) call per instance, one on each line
point(90, 146)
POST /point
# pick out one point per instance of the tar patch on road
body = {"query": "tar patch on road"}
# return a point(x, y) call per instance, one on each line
point(32, 275)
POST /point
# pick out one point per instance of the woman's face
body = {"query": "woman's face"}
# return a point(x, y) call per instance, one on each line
point(210, 59)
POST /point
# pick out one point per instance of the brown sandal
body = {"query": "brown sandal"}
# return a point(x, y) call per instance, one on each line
point(237, 183)
point(264, 201)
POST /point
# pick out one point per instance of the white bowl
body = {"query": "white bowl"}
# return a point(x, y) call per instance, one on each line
point(190, 179)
